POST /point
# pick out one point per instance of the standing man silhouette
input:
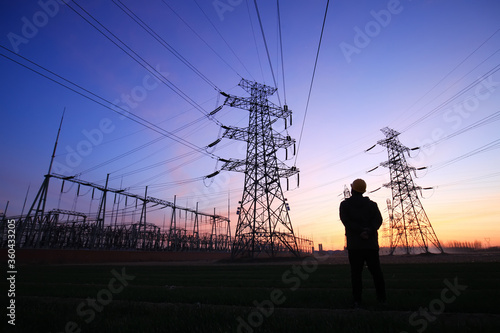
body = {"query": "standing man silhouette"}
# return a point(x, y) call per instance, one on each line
point(361, 218)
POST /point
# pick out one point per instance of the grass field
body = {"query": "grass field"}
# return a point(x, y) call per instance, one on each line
point(303, 296)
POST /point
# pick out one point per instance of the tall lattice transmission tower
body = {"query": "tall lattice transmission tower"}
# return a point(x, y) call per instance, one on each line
point(409, 224)
point(264, 224)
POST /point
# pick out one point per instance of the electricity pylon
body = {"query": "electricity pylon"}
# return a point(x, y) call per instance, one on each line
point(264, 223)
point(410, 226)
point(347, 194)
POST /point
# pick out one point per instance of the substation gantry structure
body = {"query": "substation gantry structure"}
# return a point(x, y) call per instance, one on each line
point(409, 225)
point(264, 224)
point(190, 229)
point(99, 229)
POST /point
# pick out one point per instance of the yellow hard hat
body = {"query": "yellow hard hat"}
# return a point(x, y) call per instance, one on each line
point(359, 185)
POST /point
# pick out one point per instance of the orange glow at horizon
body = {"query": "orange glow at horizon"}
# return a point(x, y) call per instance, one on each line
point(461, 226)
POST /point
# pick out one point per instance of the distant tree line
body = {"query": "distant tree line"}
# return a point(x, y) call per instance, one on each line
point(465, 246)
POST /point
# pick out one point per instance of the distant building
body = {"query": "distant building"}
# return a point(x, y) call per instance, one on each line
point(320, 247)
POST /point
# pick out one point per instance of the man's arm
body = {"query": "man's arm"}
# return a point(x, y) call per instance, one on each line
point(347, 220)
point(377, 217)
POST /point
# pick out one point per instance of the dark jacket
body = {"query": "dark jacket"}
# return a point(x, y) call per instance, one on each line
point(359, 214)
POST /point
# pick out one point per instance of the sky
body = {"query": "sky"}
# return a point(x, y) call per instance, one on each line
point(427, 69)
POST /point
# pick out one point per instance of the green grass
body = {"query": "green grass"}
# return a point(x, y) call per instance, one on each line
point(217, 298)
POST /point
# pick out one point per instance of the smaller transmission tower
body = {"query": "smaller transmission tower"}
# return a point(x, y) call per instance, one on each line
point(264, 223)
point(410, 226)
point(347, 194)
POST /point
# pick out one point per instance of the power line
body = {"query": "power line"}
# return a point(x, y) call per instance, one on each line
point(458, 94)
point(485, 121)
point(162, 163)
point(312, 81)
point(281, 50)
point(169, 171)
point(104, 102)
point(116, 158)
point(166, 185)
point(203, 40)
point(162, 41)
point(149, 167)
point(255, 40)
point(222, 37)
point(137, 58)
point(267, 50)
point(487, 147)
point(474, 179)
point(128, 153)
point(452, 70)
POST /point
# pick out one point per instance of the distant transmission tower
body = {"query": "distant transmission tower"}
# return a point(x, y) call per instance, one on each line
point(264, 224)
point(410, 226)
point(347, 194)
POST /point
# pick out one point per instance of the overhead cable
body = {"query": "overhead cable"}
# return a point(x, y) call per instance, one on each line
point(203, 40)
point(267, 50)
point(136, 57)
point(453, 69)
point(222, 37)
point(162, 41)
point(255, 40)
point(312, 81)
point(490, 146)
point(458, 94)
point(103, 102)
point(485, 121)
point(281, 50)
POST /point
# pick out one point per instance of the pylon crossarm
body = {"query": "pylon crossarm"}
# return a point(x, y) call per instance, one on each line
point(283, 141)
point(285, 171)
point(248, 103)
point(235, 133)
point(233, 165)
point(253, 87)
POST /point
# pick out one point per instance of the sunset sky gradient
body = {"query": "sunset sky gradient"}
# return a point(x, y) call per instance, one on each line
point(428, 69)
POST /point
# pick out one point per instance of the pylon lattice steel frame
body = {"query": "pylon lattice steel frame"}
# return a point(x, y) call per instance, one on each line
point(59, 228)
point(63, 228)
point(264, 223)
point(410, 226)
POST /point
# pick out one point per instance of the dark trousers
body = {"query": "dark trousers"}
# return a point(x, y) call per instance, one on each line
point(357, 259)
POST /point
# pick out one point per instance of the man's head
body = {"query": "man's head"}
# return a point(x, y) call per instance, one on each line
point(359, 186)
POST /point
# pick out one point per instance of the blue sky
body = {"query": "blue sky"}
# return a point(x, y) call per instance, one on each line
point(425, 68)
